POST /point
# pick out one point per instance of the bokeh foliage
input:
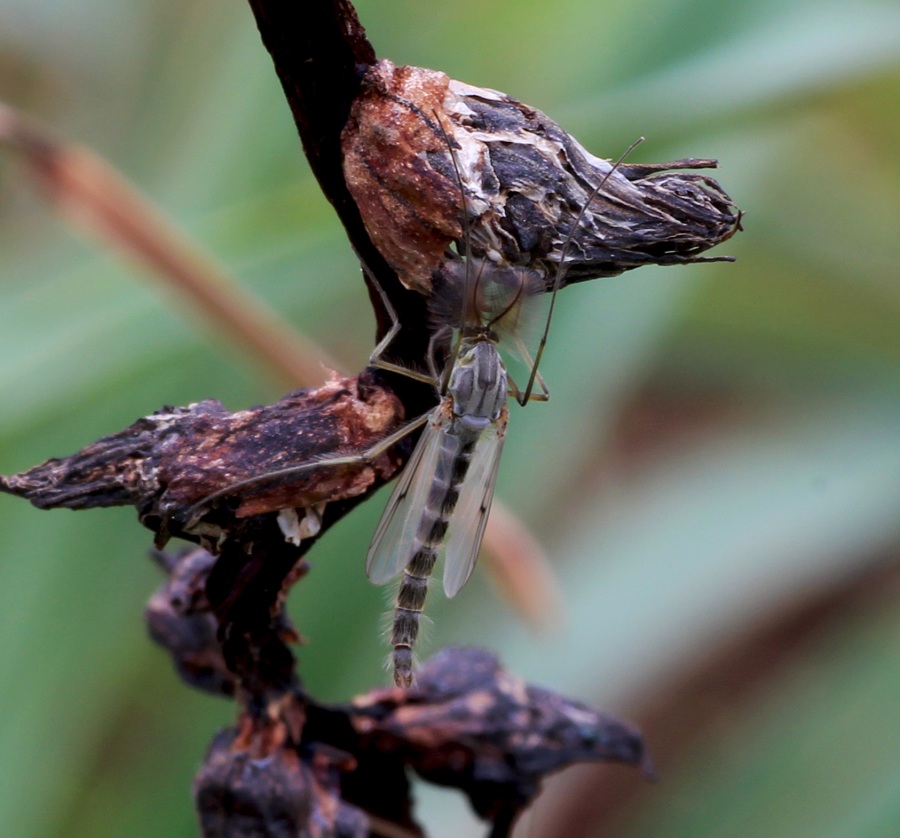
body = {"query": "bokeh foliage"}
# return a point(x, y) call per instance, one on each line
point(722, 440)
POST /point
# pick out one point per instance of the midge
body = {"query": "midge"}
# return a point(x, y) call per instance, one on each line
point(444, 494)
point(443, 497)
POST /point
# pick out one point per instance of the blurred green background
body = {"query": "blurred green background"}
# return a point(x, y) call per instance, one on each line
point(721, 451)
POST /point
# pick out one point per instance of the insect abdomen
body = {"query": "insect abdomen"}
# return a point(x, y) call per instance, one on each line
point(452, 465)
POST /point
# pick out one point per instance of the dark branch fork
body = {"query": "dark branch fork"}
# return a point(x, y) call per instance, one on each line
point(376, 137)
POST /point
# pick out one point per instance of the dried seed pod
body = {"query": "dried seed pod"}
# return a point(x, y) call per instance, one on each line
point(470, 724)
point(525, 183)
point(276, 792)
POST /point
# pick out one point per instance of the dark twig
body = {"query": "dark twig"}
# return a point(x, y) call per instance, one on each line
point(321, 54)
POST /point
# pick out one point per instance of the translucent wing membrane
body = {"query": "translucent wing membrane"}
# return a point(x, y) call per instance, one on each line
point(468, 520)
point(479, 292)
point(395, 539)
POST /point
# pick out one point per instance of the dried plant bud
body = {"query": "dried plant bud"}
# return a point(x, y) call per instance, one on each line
point(470, 724)
point(178, 619)
point(169, 462)
point(525, 182)
point(238, 793)
point(277, 793)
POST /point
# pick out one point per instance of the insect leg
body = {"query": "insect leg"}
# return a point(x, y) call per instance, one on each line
point(386, 341)
point(375, 358)
point(432, 343)
point(515, 392)
point(415, 376)
point(365, 456)
point(561, 270)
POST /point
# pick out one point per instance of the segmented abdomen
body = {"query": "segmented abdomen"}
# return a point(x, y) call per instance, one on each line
point(453, 461)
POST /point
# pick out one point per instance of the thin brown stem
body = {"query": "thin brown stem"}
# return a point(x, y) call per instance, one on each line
point(93, 196)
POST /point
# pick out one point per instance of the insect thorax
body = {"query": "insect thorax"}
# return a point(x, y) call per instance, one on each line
point(478, 291)
point(478, 384)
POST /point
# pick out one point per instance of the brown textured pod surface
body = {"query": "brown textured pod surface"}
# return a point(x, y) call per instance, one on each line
point(470, 724)
point(525, 182)
point(174, 459)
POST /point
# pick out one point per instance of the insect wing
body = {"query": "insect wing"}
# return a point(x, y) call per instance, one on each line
point(394, 540)
point(471, 514)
